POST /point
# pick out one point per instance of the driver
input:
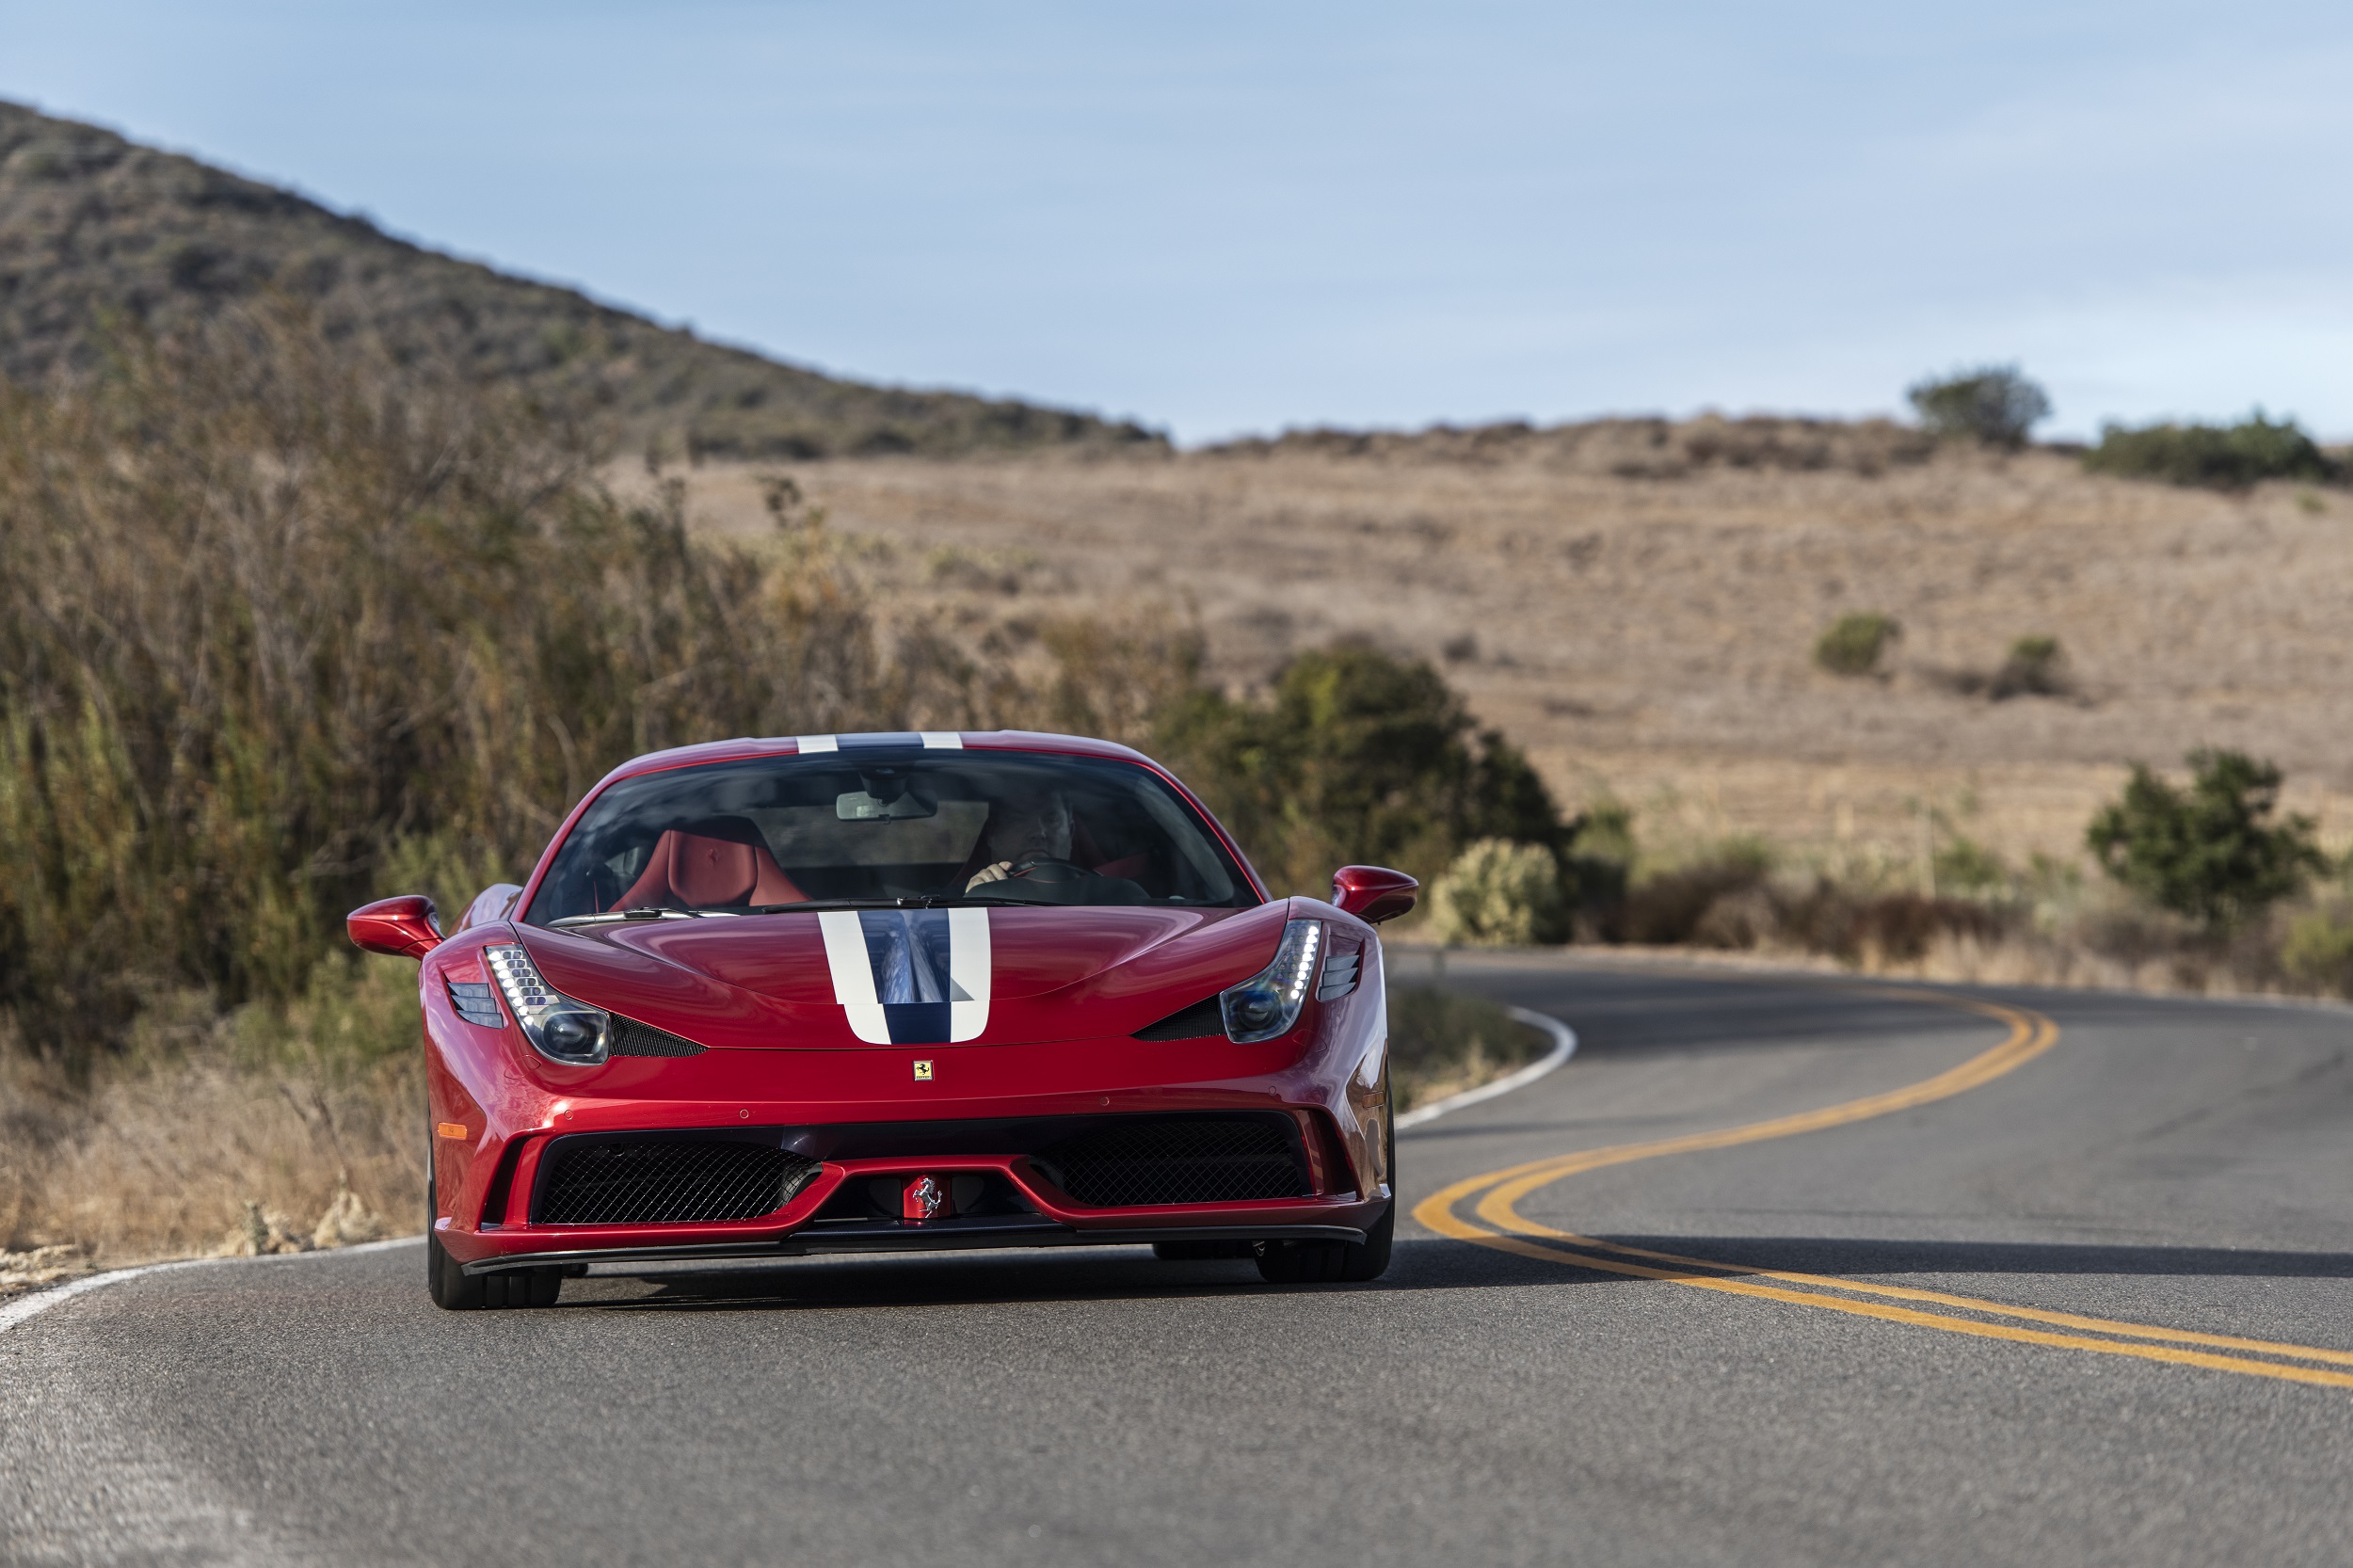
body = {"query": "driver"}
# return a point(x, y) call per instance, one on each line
point(1023, 828)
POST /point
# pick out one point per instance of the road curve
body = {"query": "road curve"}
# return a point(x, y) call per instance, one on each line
point(2082, 1300)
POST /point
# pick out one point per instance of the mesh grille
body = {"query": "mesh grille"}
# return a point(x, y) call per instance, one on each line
point(670, 1182)
point(1178, 1159)
point(631, 1038)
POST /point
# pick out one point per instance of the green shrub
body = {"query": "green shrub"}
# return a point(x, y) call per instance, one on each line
point(2037, 666)
point(2209, 852)
point(1359, 757)
point(1962, 865)
point(1995, 404)
point(2217, 457)
point(2319, 948)
point(1854, 643)
point(1499, 893)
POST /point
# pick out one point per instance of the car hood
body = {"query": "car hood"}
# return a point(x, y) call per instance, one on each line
point(836, 979)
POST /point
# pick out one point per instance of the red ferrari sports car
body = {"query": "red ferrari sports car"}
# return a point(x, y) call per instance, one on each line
point(853, 992)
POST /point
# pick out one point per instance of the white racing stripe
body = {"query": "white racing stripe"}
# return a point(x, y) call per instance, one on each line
point(968, 970)
point(853, 974)
point(941, 739)
point(809, 743)
point(1563, 1047)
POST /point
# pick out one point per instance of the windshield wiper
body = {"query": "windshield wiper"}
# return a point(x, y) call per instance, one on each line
point(641, 913)
point(910, 901)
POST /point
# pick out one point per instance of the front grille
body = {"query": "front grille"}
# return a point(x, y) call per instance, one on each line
point(1175, 1160)
point(668, 1181)
point(631, 1038)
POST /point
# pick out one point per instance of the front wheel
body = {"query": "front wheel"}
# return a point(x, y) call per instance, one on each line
point(1330, 1262)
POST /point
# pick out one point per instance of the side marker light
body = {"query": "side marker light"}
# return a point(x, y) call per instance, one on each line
point(452, 1129)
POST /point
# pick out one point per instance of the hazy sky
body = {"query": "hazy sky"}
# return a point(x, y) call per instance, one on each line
point(1223, 217)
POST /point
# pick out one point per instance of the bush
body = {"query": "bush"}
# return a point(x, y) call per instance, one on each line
point(2037, 666)
point(1995, 404)
point(2207, 853)
point(1359, 757)
point(2220, 457)
point(2319, 948)
point(1854, 643)
point(1499, 893)
point(281, 610)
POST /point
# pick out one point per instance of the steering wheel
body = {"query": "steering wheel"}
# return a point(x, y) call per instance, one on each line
point(1067, 870)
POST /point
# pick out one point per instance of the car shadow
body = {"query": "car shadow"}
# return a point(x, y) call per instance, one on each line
point(1421, 1264)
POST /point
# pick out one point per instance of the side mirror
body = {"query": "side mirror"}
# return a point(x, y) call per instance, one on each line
point(403, 927)
point(1373, 893)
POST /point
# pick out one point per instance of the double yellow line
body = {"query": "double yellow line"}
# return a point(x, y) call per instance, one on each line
point(2030, 1033)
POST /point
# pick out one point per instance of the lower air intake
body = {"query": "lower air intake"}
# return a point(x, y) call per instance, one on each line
point(1178, 1160)
point(669, 1182)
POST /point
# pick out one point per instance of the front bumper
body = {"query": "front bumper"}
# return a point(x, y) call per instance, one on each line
point(1013, 1164)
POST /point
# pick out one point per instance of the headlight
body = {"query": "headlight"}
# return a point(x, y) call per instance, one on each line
point(1267, 1003)
point(557, 1027)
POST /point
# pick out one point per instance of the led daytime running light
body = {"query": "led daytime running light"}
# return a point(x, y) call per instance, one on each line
point(557, 1027)
point(1267, 1003)
point(519, 977)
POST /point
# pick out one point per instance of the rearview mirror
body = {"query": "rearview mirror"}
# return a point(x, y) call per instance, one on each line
point(1373, 893)
point(859, 806)
point(403, 927)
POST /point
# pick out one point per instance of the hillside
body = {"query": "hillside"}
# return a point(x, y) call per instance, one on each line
point(1636, 601)
point(94, 228)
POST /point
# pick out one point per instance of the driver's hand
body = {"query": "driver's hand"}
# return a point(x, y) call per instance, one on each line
point(997, 873)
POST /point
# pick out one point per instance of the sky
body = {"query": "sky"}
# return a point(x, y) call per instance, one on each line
point(1223, 218)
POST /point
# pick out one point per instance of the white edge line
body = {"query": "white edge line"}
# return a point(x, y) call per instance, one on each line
point(40, 1300)
point(1563, 1047)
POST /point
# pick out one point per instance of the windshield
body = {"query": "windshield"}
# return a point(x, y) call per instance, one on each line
point(886, 827)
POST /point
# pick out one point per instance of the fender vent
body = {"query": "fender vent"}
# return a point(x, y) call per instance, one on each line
point(631, 1038)
point(1339, 974)
point(1176, 1159)
point(668, 1181)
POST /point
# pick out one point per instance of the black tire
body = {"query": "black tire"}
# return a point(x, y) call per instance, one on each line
point(1201, 1252)
point(451, 1288)
point(1371, 1261)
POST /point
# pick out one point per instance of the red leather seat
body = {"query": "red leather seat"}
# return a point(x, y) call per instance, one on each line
point(714, 864)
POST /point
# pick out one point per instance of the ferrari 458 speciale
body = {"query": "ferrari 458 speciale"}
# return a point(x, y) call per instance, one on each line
point(891, 992)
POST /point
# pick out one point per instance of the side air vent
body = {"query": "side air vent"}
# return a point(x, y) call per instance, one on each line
point(1339, 974)
point(667, 1180)
point(1178, 1159)
point(1201, 1021)
point(475, 1004)
point(631, 1038)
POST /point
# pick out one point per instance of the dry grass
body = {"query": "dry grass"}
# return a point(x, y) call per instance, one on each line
point(253, 1132)
point(1650, 637)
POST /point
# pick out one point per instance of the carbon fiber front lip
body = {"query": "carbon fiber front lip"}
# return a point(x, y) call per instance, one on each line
point(1011, 1236)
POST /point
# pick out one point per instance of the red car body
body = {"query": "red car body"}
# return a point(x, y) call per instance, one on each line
point(974, 1137)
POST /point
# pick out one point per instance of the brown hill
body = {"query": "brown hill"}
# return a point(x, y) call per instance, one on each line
point(96, 229)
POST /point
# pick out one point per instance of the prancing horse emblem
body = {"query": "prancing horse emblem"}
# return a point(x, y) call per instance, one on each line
point(922, 1072)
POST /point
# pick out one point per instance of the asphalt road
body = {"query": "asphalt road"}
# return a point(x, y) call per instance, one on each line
point(1963, 1330)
